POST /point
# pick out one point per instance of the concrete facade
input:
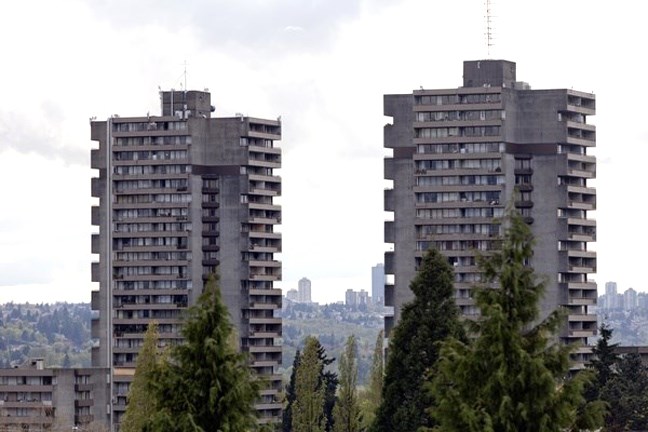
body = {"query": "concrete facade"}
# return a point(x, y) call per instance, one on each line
point(183, 195)
point(461, 155)
point(34, 398)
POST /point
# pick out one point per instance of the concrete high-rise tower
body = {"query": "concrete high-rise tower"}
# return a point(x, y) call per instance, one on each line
point(304, 290)
point(182, 195)
point(461, 155)
point(378, 284)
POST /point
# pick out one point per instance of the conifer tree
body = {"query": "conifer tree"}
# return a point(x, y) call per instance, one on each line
point(514, 376)
point(141, 406)
point(206, 384)
point(625, 393)
point(372, 396)
point(308, 408)
point(346, 412)
point(290, 395)
point(430, 318)
point(603, 362)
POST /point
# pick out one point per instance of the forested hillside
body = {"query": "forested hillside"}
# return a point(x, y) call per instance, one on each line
point(59, 333)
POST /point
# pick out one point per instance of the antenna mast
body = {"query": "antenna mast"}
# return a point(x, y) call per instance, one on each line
point(185, 76)
point(489, 27)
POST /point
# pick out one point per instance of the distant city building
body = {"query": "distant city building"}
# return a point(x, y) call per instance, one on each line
point(180, 196)
point(292, 295)
point(35, 398)
point(460, 156)
point(304, 290)
point(630, 299)
point(610, 296)
point(642, 301)
point(356, 298)
point(351, 298)
point(378, 284)
point(363, 297)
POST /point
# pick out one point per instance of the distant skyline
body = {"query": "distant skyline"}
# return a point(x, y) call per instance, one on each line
point(324, 68)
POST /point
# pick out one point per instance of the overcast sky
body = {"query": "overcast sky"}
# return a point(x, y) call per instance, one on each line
point(323, 66)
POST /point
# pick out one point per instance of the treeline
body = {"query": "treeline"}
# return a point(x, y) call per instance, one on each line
point(500, 371)
point(59, 333)
point(332, 324)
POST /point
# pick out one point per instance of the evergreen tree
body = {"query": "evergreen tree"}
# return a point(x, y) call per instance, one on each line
point(329, 380)
point(141, 406)
point(308, 408)
point(347, 408)
point(290, 395)
point(603, 362)
point(513, 376)
point(206, 384)
point(625, 393)
point(413, 350)
point(372, 396)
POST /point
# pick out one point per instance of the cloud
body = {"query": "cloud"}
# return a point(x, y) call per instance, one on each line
point(286, 24)
point(39, 132)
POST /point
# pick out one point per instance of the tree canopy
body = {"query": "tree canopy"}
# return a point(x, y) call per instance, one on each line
point(413, 348)
point(513, 376)
point(308, 407)
point(346, 414)
point(206, 384)
point(141, 407)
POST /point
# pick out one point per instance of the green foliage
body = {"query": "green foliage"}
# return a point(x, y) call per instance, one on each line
point(512, 376)
point(206, 384)
point(372, 396)
point(308, 408)
point(625, 392)
point(141, 406)
point(413, 350)
point(290, 395)
point(58, 333)
point(603, 361)
point(346, 412)
point(331, 324)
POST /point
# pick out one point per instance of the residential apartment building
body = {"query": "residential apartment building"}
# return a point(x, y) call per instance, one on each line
point(378, 284)
point(181, 196)
point(461, 155)
point(35, 398)
point(304, 290)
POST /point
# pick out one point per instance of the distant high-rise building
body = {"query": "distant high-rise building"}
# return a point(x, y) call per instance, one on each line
point(610, 288)
point(350, 298)
point(461, 155)
point(630, 299)
point(292, 295)
point(378, 284)
point(304, 289)
point(363, 298)
point(181, 196)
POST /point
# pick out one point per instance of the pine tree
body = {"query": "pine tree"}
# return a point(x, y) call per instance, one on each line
point(513, 376)
point(603, 362)
point(141, 406)
point(372, 396)
point(625, 393)
point(430, 318)
point(329, 380)
point(346, 412)
point(206, 384)
point(290, 395)
point(308, 408)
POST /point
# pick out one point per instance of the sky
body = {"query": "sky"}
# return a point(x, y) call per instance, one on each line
point(323, 66)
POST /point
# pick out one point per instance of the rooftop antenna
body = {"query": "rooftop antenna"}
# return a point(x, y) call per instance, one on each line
point(185, 75)
point(489, 26)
